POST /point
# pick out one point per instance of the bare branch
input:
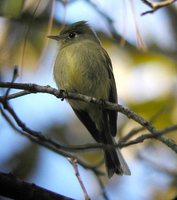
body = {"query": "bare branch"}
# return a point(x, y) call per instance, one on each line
point(15, 75)
point(73, 162)
point(49, 144)
point(102, 188)
point(33, 88)
point(137, 130)
point(169, 142)
point(27, 34)
point(18, 94)
point(14, 188)
point(43, 139)
point(156, 5)
point(63, 150)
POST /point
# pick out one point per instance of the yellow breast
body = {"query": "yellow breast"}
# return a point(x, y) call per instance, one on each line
point(80, 68)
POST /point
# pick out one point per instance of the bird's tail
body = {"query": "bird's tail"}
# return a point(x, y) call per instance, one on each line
point(115, 162)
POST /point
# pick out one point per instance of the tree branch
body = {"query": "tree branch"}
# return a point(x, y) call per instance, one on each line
point(14, 188)
point(73, 162)
point(50, 144)
point(137, 130)
point(156, 5)
point(33, 88)
point(156, 135)
point(64, 150)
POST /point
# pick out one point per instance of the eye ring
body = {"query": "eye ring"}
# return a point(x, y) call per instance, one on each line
point(72, 35)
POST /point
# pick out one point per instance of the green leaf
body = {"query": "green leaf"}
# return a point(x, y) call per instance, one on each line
point(11, 8)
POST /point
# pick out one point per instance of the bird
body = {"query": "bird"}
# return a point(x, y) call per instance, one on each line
point(83, 66)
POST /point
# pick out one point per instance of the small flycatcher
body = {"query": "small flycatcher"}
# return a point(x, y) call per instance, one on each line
point(83, 66)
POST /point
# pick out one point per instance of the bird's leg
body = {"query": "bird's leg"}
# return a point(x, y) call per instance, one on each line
point(63, 94)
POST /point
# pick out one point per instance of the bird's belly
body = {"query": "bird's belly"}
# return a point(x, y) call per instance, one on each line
point(82, 74)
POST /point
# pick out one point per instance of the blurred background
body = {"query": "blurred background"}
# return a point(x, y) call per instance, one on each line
point(143, 50)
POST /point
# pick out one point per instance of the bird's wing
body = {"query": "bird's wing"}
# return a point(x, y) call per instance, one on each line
point(112, 95)
point(89, 124)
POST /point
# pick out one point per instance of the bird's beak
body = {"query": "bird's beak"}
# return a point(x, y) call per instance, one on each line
point(54, 37)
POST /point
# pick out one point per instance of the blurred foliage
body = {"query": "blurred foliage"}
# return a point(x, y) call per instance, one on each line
point(169, 194)
point(10, 8)
point(67, 136)
point(24, 27)
point(23, 162)
point(150, 108)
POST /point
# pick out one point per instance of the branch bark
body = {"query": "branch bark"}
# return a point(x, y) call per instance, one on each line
point(156, 5)
point(33, 88)
point(50, 144)
point(14, 188)
point(76, 170)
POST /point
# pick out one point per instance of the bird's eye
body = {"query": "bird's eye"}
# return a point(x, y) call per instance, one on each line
point(72, 35)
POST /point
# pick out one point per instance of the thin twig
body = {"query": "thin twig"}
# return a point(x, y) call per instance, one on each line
point(124, 32)
point(156, 136)
point(16, 95)
point(73, 162)
point(46, 142)
point(102, 188)
point(15, 74)
point(50, 23)
point(26, 36)
point(139, 41)
point(134, 131)
point(85, 147)
point(156, 5)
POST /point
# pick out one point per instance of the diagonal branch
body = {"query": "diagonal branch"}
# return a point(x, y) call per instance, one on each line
point(73, 162)
point(14, 188)
point(49, 143)
point(156, 5)
point(154, 136)
point(63, 150)
point(33, 88)
point(137, 130)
